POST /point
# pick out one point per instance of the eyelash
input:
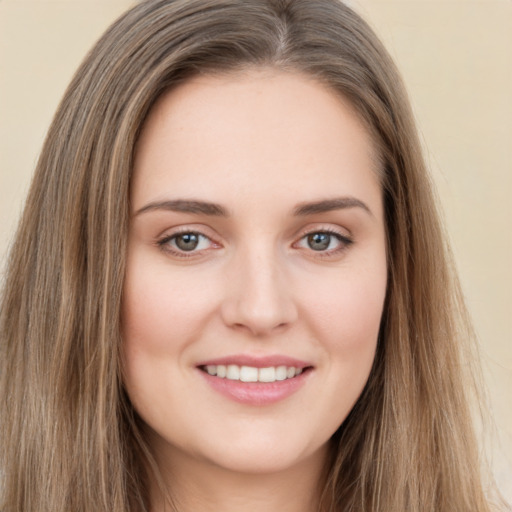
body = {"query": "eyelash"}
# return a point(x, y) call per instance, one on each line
point(164, 243)
point(344, 241)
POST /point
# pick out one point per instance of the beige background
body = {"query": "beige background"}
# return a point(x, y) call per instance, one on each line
point(456, 57)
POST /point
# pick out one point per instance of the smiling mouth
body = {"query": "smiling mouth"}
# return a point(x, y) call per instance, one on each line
point(253, 374)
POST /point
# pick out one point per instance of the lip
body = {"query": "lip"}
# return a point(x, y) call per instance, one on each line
point(257, 361)
point(256, 393)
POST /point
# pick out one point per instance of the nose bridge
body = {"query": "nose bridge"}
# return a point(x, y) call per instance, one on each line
point(259, 296)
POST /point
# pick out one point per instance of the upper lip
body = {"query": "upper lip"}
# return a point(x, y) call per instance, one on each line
point(256, 361)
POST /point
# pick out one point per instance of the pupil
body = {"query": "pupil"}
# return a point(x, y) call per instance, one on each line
point(187, 241)
point(319, 241)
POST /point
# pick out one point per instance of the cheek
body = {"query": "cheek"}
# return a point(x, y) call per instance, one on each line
point(348, 310)
point(161, 314)
point(346, 318)
point(163, 308)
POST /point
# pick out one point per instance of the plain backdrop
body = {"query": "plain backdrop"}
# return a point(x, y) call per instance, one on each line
point(456, 58)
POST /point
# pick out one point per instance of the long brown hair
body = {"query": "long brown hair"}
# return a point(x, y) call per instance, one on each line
point(69, 437)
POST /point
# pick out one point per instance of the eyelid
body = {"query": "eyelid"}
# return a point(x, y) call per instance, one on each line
point(162, 241)
point(345, 239)
point(321, 227)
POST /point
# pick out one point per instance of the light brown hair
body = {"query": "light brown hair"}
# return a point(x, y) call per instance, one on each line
point(70, 440)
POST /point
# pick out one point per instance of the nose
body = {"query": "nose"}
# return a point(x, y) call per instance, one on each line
point(259, 298)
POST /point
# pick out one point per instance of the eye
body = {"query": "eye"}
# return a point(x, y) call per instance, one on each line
point(324, 241)
point(319, 241)
point(186, 242)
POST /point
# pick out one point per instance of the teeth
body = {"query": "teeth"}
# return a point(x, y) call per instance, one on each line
point(211, 369)
point(248, 374)
point(252, 374)
point(267, 374)
point(281, 373)
point(233, 372)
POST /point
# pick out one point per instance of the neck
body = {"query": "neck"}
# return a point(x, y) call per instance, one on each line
point(199, 486)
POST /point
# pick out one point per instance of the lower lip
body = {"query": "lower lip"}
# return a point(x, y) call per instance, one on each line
point(256, 393)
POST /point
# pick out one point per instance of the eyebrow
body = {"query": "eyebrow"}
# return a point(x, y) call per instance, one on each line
point(328, 205)
point(185, 206)
point(214, 209)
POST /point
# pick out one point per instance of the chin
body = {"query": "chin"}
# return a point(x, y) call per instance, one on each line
point(265, 456)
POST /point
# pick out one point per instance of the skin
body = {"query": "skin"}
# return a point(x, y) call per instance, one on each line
point(260, 144)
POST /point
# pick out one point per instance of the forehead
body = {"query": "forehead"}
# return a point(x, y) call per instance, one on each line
point(251, 129)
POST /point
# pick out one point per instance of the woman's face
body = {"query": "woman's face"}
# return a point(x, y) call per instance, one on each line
point(256, 271)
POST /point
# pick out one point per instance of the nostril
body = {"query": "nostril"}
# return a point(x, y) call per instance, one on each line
point(258, 316)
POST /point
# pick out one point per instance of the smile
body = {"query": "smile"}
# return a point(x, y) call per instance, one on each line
point(256, 381)
point(251, 373)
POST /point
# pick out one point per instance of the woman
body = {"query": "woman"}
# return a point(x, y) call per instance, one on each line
point(230, 288)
